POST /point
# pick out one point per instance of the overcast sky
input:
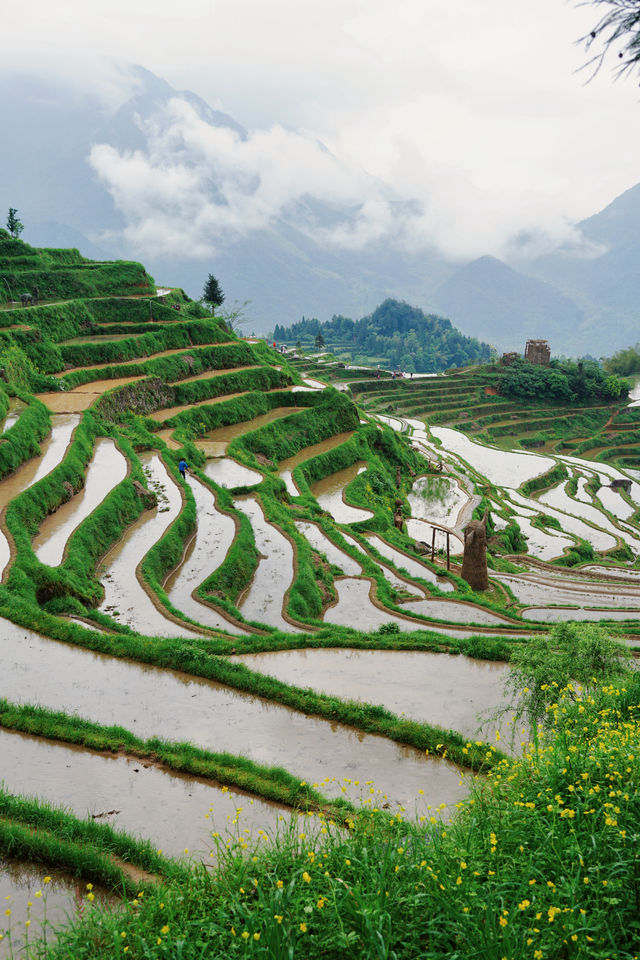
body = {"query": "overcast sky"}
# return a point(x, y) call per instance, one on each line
point(474, 107)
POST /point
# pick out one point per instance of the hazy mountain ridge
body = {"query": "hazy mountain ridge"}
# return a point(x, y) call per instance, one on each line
point(286, 267)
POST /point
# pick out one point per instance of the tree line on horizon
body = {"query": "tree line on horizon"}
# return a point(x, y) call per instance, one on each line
point(403, 336)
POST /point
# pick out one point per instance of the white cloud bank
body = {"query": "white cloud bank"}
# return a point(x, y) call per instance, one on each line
point(196, 187)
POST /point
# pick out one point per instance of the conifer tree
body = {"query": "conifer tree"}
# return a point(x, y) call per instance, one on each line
point(14, 226)
point(212, 293)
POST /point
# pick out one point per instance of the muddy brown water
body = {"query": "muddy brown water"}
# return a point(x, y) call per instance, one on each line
point(62, 899)
point(207, 549)
point(286, 467)
point(174, 811)
point(215, 442)
point(265, 597)
point(166, 413)
point(104, 472)
point(166, 435)
point(155, 702)
point(437, 688)
point(52, 450)
point(16, 408)
point(228, 473)
point(329, 492)
point(81, 398)
point(125, 598)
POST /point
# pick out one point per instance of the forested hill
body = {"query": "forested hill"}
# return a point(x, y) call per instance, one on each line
point(395, 335)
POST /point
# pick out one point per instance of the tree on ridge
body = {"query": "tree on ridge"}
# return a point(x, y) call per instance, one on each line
point(14, 226)
point(212, 293)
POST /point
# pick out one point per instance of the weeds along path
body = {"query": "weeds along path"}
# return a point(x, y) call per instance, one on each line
point(163, 703)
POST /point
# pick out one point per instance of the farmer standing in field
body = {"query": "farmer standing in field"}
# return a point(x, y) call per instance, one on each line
point(183, 466)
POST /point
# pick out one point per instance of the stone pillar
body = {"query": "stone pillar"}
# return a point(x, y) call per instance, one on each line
point(474, 561)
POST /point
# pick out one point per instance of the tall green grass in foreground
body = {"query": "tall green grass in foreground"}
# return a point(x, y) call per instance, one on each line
point(540, 862)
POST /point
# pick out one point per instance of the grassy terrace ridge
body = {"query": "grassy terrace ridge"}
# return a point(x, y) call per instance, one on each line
point(534, 846)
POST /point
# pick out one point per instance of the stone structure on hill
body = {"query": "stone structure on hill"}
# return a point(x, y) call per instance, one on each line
point(474, 560)
point(508, 358)
point(538, 351)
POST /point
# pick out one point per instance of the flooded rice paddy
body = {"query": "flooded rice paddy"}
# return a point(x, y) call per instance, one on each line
point(557, 497)
point(561, 614)
point(52, 451)
point(215, 442)
point(500, 467)
point(144, 800)
point(422, 532)
point(155, 702)
point(438, 499)
point(229, 473)
point(330, 494)
point(215, 532)
point(265, 598)
point(105, 471)
point(355, 607)
point(125, 598)
point(321, 542)
point(286, 467)
point(569, 523)
point(543, 544)
point(413, 567)
point(16, 408)
point(437, 688)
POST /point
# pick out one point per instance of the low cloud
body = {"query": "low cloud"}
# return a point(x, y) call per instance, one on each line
point(196, 187)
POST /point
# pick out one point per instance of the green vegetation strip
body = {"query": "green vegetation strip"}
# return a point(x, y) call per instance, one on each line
point(21, 441)
point(272, 783)
point(33, 830)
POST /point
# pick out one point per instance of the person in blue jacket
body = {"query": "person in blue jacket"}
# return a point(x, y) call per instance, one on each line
point(183, 466)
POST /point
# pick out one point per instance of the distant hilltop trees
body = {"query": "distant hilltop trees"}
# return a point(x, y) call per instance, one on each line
point(403, 337)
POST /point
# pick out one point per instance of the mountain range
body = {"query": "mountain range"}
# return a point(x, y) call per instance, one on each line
point(582, 297)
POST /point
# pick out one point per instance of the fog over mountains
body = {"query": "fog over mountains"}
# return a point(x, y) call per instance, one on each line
point(155, 174)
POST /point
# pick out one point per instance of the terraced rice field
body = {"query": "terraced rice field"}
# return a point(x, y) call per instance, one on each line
point(240, 609)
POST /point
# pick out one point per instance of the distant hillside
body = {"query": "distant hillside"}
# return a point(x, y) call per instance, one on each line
point(396, 335)
point(606, 273)
point(507, 307)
